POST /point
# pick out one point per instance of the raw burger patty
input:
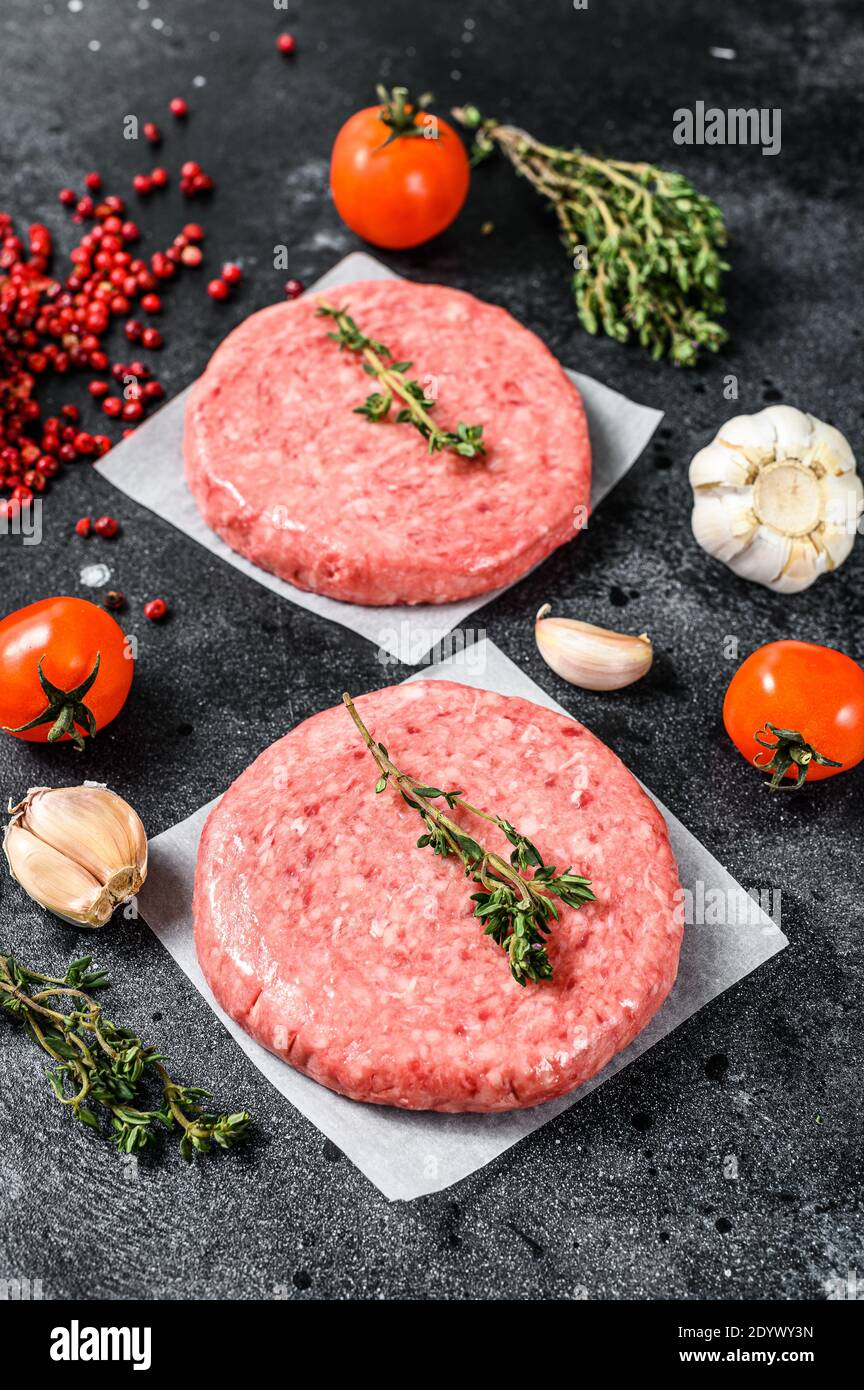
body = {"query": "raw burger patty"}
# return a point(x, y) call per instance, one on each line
point(341, 946)
point(284, 471)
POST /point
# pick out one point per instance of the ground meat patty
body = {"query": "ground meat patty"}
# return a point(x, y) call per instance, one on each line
point(288, 475)
point(341, 946)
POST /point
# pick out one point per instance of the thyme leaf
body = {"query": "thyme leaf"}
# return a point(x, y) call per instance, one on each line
point(516, 911)
point(645, 246)
point(98, 1061)
point(466, 440)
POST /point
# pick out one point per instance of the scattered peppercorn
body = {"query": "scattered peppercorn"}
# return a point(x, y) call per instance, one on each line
point(56, 326)
point(232, 273)
point(106, 526)
point(83, 526)
point(294, 288)
point(178, 107)
point(155, 609)
point(114, 600)
point(217, 289)
point(286, 43)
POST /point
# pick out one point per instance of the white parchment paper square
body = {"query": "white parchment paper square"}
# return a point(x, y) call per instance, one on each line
point(148, 467)
point(408, 1154)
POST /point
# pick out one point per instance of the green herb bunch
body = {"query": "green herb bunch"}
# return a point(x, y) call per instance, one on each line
point(644, 245)
point(516, 911)
point(467, 441)
point(97, 1062)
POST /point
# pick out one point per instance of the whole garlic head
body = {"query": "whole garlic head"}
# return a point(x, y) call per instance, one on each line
point(77, 851)
point(776, 496)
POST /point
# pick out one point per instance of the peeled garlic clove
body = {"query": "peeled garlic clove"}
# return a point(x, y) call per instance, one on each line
point(55, 882)
point(79, 851)
point(593, 658)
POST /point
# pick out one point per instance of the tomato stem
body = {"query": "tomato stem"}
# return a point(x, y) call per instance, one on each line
point(789, 750)
point(399, 113)
point(65, 709)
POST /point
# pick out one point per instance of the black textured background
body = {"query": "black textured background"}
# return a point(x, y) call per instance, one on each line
point(624, 1196)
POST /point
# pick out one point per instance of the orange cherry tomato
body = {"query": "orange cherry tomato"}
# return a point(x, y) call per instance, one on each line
point(804, 704)
point(398, 176)
point(86, 670)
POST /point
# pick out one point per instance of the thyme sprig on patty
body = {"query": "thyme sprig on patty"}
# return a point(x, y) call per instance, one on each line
point(466, 441)
point(516, 911)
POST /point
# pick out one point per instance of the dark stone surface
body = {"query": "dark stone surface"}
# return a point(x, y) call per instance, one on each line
point(625, 1195)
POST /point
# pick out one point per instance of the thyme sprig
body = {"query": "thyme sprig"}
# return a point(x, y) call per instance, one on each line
point(467, 441)
point(96, 1061)
point(517, 912)
point(644, 245)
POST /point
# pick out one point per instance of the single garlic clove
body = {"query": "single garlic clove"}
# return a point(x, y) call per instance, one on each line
point(93, 826)
point(716, 466)
point(843, 495)
point(837, 543)
point(723, 525)
point(793, 430)
point(806, 561)
point(54, 881)
point(753, 435)
point(830, 448)
point(593, 658)
point(764, 558)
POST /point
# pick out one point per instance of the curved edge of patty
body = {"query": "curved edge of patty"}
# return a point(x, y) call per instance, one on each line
point(251, 1000)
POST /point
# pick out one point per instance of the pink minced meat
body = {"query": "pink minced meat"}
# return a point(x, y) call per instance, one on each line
point(288, 475)
point(344, 948)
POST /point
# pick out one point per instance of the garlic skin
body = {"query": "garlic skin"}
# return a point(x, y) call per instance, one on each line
point(77, 851)
point(777, 498)
point(593, 658)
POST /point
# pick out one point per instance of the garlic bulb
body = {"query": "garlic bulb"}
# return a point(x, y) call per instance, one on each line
point(591, 657)
point(78, 851)
point(776, 496)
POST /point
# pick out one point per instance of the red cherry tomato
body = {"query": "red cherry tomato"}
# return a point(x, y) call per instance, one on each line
point(806, 705)
point(86, 670)
point(398, 175)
